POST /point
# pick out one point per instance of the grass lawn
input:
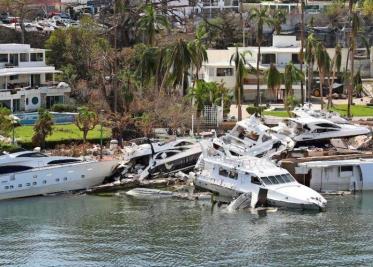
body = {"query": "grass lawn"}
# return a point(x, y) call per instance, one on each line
point(61, 132)
point(279, 113)
point(356, 110)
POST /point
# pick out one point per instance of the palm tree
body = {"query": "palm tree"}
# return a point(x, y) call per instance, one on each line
point(151, 23)
point(355, 26)
point(335, 68)
point(261, 16)
point(178, 62)
point(279, 18)
point(311, 45)
point(274, 80)
point(198, 50)
point(292, 74)
point(42, 128)
point(240, 72)
point(323, 65)
point(147, 67)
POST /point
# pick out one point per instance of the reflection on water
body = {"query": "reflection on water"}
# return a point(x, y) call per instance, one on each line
point(76, 230)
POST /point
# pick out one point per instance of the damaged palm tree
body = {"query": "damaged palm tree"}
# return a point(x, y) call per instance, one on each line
point(336, 69)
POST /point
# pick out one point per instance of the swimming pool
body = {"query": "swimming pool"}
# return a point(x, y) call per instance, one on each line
point(58, 117)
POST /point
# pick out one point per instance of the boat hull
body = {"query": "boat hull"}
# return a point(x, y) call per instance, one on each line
point(54, 179)
point(224, 191)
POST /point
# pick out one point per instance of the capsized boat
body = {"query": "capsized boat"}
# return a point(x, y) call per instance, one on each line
point(307, 111)
point(31, 173)
point(307, 129)
point(267, 183)
point(155, 158)
point(252, 137)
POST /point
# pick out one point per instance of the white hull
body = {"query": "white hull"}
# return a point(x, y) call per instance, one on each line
point(62, 178)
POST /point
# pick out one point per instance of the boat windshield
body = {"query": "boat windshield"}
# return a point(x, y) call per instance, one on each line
point(277, 179)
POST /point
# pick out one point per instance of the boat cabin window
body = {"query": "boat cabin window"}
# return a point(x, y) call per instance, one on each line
point(231, 174)
point(184, 143)
point(255, 180)
point(278, 179)
point(266, 137)
point(328, 125)
point(32, 155)
point(63, 161)
point(12, 169)
point(323, 130)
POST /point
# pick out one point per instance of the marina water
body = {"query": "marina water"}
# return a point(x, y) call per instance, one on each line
point(117, 230)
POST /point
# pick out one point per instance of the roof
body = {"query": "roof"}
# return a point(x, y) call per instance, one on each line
point(19, 48)
point(27, 70)
point(332, 163)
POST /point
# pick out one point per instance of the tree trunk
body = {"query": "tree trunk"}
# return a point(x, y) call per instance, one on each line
point(302, 48)
point(85, 133)
point(257, 78)
point(321, 76)
point(330, 102)
point(239, 107)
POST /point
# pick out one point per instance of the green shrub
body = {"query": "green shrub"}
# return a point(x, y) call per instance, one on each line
point(8, 148)
point(255, 110)
point(64, 108)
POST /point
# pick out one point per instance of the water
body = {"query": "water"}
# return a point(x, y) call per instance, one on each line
point(77, 230)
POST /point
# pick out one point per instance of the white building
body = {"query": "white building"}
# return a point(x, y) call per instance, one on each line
point(285, 49)
point(26, 81)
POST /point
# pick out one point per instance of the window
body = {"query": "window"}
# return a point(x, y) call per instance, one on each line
point(58, 179)
point(3, 58)
point(49, 77)
point(63, 161)
point(44, 181)
point(328, 125)
point(223, 172)
point(20, 185)
point(255, 180)
point(83, 176)
point(346, 168)
point(295, 58)
point(11, 187)
point(34, 183)
point(13, 168)
point(6, 187)
point(279, 178)
point(28, 184)
point(35, 100)
point(266, 180)
point(36, 57)
point(65, 178)
point(26, 101)
point(24, 57)
point(273, 180)
point(32, 155)
point(13, 77)
point(268, 58)
point(220, 72)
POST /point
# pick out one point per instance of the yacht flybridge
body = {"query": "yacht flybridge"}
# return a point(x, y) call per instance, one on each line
point(307, 129)
point(30, 173)
point(267, 183)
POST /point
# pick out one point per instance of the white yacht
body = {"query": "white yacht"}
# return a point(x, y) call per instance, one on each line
point(252, 137)
point(307, 111)
point(30, 173)
point(267, 183)
point(306, 129)
point(151, 158)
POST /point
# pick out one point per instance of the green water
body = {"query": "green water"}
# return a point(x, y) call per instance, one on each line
point(78, 230)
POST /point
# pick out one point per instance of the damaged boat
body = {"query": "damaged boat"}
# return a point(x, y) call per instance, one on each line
point(307, 111)
point(268, 184)
point(252, 137)
point(304, 130)
point(31, 173)
point(150, 159)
